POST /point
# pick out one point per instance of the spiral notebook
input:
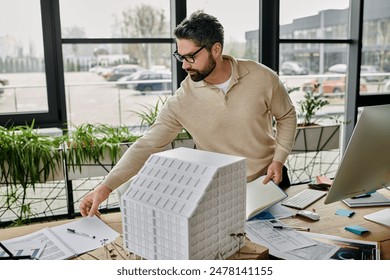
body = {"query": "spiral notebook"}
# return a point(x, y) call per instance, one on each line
point(70, 239)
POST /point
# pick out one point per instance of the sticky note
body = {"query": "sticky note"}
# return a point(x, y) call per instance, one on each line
point(359, 230)
point(345, 212)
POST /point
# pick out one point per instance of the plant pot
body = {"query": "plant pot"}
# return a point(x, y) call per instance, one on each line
point(315, 152)
point(55, 173)
point(317, 138)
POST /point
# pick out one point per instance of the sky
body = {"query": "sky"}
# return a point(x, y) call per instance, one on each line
point(96, 16)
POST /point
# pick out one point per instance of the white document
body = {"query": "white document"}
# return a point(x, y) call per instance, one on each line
point(276, 240)
point(23, 248)
point(288, 244)
point(60, 244)
point(321, 251)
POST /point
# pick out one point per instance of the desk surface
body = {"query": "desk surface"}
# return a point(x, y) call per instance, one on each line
point(115, 250)
point(333, 224)
point(329, 224)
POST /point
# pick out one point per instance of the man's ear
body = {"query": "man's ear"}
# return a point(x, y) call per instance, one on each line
point(216, 50)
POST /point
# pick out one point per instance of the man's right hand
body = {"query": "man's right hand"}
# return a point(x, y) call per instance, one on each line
point(90, 203)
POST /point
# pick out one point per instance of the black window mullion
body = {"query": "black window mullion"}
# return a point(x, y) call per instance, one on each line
point(269, 33)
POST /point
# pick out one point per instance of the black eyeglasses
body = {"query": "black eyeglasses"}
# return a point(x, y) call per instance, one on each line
point(190, 58)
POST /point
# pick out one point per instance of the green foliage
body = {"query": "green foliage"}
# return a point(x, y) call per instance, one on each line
point(310, 105)
point(149, 113)
point(90, 143)
point(26, 158)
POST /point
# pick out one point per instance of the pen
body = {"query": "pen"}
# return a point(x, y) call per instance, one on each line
point(361, 196)
point(80, 233)
point(296, 228)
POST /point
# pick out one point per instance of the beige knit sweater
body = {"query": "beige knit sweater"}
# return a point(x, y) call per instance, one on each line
point(238, 123)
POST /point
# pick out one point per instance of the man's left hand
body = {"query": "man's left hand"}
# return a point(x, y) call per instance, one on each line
point(274, 173)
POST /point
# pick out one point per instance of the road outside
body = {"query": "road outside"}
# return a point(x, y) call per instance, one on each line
point(90, 99)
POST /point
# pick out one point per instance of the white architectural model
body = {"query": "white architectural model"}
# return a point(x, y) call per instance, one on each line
point(185, 204)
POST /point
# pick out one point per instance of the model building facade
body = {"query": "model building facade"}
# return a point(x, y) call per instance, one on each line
point(185, 204)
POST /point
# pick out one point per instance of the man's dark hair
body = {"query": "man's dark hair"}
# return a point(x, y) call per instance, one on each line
point(202, 28)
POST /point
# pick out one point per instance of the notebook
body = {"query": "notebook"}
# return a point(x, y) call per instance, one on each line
point(375, 199)
point(261, 196)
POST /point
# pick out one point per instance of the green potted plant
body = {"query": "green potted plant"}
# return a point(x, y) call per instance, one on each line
point(312, 139)
point(310, 105)
point(26, 158)
point(311, 135)
point(93, 149)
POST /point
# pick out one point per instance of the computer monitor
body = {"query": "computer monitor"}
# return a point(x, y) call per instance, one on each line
point(365, 165)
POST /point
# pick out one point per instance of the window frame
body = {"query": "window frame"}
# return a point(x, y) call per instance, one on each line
point(56, 115)
point(269, 55)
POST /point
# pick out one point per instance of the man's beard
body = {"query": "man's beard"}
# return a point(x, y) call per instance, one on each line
point(197, 75)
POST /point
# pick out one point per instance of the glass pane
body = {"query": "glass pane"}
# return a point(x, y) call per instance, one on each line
point(319, 68)
point(109, 86)
point(331, 87)
point(314, 19)
point(239, 21)
point(115, 18)
point(22, 77)
point(375, 68)
point(302, 59)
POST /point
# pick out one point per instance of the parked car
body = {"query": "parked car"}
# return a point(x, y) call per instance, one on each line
point(293, 68)
point(147, 80)
point(338, 68)
point(369, 73)
point(330, 84)
point(120, 71)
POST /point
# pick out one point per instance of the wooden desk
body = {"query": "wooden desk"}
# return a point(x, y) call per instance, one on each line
point(115, 250)
point(329, 224)
point(333, 224)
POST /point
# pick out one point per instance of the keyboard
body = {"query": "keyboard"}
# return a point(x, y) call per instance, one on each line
point(303, 199)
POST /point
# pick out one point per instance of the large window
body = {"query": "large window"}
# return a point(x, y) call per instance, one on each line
point(22, 66)
point(314, 40)
point(103, 48)
point(311, 24)
point(375, 64)
point(237, 19)
point(115, 19)
point(58, 57)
